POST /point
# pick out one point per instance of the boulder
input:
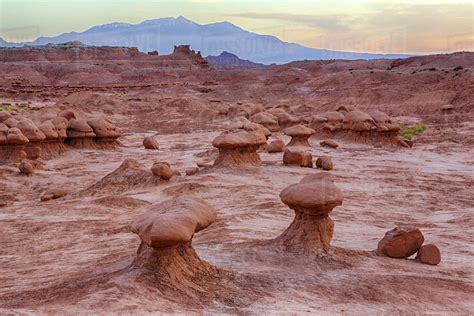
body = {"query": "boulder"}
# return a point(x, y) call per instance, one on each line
point(275, 146)
point(26, 167)
point(298, 158)
point(150, 143)
point(52, 194)
point(324, 162)
point(429, 254)
point(329, 143)
point(191, 171)
point(401, 242)
point(162, 170)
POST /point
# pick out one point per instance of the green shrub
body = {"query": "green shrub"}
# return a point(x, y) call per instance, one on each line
point(9, 108)
point(409, 132)
point(407, 135)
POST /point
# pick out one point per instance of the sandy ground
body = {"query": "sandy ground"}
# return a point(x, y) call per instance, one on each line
point(72, 253)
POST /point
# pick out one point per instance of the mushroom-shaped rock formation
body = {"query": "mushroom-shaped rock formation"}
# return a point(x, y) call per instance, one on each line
point(257, 128)
point(30, 130)
point(325, 163)
point(11, 122)
point(329, 121)
point(284, 118)
point(312, 200)
point(383, 122)
point(162, 170)
point(238, 148)
point(16, 137)
point(12, 143)
point(4, 116)
point(401, 242)
point(298, 158)
point(105, 131)
point(150, 143)
point(238, 122)
point(267, 120)
point(67, 114)
point(166, 230)
point(60, 123)
point(243, 123)
point(429, 254)
point(299, 135)
point(49, 130)
point(358, 121)
point(79, 134)
point(239, 110)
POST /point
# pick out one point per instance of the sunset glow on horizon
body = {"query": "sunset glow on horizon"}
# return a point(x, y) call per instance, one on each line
point(377, 26)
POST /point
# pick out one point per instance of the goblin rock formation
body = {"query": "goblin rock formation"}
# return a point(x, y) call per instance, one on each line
point(20, 134)
point(166, 231)
point(299, 135)
point(238, 148)
point(373, 127)
point(312, 200)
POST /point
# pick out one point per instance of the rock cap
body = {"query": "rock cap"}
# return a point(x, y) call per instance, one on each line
point(173, 221)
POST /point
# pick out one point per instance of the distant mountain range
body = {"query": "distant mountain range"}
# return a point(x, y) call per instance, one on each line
point(211, 39)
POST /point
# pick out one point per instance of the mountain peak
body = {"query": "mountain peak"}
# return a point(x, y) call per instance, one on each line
point(227, 54)
point(210, 39)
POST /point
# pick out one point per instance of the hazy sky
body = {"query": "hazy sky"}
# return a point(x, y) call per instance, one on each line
point(416, 26)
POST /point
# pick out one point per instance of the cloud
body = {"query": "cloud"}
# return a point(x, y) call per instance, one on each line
point(381, 27)
point(335, 23)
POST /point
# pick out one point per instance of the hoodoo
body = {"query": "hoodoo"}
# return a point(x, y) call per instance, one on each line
point(166, 231)
point(312, 199)
point(299, 135)
point(238, 148)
